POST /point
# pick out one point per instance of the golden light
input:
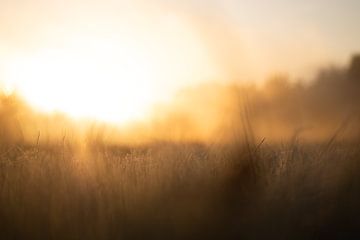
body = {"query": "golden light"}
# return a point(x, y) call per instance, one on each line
point(92, 77)
point(87, 78)
point(115, 76)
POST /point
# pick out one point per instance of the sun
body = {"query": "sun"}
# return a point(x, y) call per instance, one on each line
point(115, 74)
point(88, 78)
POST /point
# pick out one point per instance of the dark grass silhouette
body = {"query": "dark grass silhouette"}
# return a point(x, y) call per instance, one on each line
point(177, 191)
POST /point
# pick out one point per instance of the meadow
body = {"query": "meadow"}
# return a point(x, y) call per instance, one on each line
point(250, 184)
point(181, 191)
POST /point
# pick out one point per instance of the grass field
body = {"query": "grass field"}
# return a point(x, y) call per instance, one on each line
point(170, 190)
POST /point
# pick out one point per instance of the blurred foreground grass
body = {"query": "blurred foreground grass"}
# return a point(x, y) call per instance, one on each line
point(169, 190)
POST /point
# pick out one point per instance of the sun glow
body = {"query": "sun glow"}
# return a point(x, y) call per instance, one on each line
point(116, 73)
point(90, 78)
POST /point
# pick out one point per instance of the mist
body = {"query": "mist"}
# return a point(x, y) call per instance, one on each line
point(278, 110)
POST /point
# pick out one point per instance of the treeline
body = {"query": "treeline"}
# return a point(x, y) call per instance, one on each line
point(279, 110)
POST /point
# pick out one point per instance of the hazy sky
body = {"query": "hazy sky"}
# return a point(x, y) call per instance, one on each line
point(260, 35)
point(156, 47)
point(286, 35)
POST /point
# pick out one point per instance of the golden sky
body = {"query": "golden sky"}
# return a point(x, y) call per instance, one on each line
point(88, 57)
